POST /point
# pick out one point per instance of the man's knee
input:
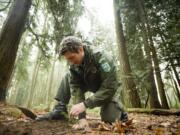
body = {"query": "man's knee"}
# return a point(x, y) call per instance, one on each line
point(63, 92)
point(110, 112)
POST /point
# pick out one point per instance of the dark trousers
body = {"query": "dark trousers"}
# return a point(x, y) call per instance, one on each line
point(109, 112)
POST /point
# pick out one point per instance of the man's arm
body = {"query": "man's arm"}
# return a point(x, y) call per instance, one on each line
point(76, 92)
point(109, 83)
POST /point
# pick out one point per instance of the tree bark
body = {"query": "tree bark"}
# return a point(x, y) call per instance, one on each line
point(173, 68)
point(154, 101)
point(160, 84)
point(177, 81)
point(127, 77)
point(152, 90)
point(159, 81)
point(9, 40)
point(34, 80)
point(51, 82)
point(175, 87)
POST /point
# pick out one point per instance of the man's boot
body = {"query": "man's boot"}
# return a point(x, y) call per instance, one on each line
point(124, 117)
point(58, 113)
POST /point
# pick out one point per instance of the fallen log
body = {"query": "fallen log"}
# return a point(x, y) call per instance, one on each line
point(155, 111)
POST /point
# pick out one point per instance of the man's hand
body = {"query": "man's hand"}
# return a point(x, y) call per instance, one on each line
point(77, 109)
point(82, 124)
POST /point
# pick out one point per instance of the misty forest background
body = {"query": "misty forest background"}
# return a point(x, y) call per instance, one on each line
point(144, 39)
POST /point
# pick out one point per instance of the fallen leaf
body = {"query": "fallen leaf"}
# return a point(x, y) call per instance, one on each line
point(129, 122)
point(119, 127)
point(159, 131)
point(166, 124)
point(104, 127)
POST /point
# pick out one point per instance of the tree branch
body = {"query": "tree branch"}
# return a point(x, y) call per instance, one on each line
point(8, 3)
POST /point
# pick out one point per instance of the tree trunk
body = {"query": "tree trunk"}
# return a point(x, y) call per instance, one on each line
point(152, 90)
point(9, 40)
point(177, 81)
point(51, 83)
point(157, 70)
point(170, 102)
point(15, 91)
point(174, 85)
point(165, 112)
point(173, 68)
point(127, 77)
point(159, 81)
point(154, 102)
point(176, 89)
point(34, 80)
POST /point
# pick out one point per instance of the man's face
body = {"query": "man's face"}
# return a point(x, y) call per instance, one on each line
point(75, 58)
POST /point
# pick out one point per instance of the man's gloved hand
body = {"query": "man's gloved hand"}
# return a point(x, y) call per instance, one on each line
point(77, 109)
point(82, 124)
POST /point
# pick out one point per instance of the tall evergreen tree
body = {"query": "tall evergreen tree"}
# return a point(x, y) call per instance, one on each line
point(10, 36)
point(126, 73)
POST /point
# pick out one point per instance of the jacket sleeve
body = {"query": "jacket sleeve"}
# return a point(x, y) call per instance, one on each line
point(76, 92)
point(109, 83)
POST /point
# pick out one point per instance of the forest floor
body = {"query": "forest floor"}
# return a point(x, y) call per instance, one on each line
point(12, 122)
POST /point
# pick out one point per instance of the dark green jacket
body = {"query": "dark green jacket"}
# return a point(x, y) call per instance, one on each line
point(97, 74)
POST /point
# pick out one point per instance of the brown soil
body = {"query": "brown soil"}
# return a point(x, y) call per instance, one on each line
point(143, 124)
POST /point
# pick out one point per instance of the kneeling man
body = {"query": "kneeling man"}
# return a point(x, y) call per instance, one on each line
point(92, 71)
